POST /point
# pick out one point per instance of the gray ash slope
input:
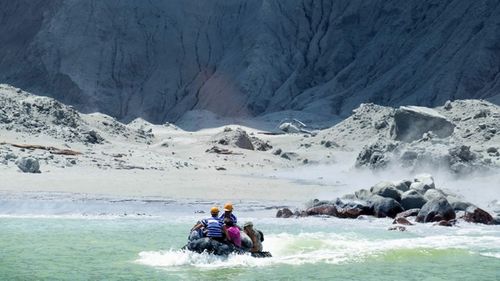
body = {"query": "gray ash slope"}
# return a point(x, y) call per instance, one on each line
point(159, 59)
point(30, 115)
point(462, 136)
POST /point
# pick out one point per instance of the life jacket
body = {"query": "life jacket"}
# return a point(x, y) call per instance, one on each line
point(213, 227)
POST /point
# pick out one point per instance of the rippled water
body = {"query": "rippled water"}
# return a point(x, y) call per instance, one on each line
point(76, 247)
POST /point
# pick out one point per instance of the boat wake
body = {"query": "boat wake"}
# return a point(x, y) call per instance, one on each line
point(330, 248)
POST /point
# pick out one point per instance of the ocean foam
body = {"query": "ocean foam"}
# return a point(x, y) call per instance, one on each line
point(329, 248)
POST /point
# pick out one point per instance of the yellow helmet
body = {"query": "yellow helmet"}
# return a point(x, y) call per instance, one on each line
point(228, 207)
point(214, 210)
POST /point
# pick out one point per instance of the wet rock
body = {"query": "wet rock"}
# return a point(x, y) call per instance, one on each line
point(363, 194)
point(420, 187)
point(402, 220)
point(403, 185)
point(409, 213)
point(412, 199)
point(386, 189)
point(477, 215)
point(353, 209)
point(284, 213)
point(434, 194)
point(457, 204)
point(385, 207)
point(436, 210)
point(328, 210)
point(411, 122)
point(28, 165)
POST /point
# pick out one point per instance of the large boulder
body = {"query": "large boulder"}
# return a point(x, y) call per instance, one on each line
point(386, 189)
point(434, 194)
point(28, 165)
point(420, 187)
point(478, 215)
point(435, 211)
point(403, 185)
point(411, 122)
point(385, 207)
point(459, 205)
point(284, 213)
point(326, 209)
point(353, 209)
point(412, 199)
point(237, 138)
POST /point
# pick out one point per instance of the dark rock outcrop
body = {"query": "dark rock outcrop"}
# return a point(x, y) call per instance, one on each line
point(436, 210)
point(478, 215)
point(412, 199)
point(434, 194)
point(386, 189)
point(284, 213)
point(385, 207)
point(328, 210)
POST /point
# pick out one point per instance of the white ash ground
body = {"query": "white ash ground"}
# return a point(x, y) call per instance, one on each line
point(211, 162)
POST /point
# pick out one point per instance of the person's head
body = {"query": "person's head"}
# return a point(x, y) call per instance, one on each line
point(228, 208)
point(228, 222)
point(214, 211)
point(248, 225)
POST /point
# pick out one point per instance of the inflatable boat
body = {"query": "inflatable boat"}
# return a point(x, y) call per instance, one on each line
point(204, 244)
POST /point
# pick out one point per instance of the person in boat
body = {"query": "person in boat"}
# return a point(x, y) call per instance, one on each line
point(212, 227)
point(255, 235)
point(232, 232)
point(228, 213)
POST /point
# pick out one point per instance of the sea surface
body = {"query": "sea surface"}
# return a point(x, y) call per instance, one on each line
point(75, 238)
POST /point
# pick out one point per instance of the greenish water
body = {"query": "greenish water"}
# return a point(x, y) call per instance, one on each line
point(114, 248)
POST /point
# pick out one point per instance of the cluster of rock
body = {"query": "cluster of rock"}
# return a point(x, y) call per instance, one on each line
point(240, 139)
point(418, 200)
point(461, 136)
point(34, 115)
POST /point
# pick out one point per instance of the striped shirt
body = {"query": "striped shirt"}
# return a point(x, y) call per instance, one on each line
point(213, 226)
point(233, 218)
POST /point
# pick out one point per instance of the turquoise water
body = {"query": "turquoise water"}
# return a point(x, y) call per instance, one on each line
point(146, 248)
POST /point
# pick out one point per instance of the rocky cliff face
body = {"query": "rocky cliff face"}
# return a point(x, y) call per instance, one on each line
point(159, 59)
